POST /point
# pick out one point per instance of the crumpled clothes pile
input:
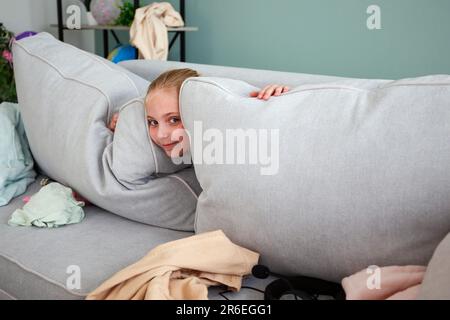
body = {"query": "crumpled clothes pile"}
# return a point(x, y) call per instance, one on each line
point(16, 161)
point(181, 269)
point(53, 206)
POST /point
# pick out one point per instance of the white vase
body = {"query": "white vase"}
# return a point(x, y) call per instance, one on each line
point(90, 19)
point(105, 12)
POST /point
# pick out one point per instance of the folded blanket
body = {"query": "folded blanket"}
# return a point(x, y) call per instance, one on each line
point(395, 283)
point(16, 162)
point(181, 269)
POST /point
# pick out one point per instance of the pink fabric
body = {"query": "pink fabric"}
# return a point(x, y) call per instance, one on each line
point(74, 194)
point(396, 283)
point(80, 198)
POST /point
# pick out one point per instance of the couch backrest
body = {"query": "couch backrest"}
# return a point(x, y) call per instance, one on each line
point(150, 69)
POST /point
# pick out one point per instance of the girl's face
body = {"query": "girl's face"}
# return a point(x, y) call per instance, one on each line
point(163, 118)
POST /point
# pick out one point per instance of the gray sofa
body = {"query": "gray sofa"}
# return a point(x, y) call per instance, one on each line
point(38, 263)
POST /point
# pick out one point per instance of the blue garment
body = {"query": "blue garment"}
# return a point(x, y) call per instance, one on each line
point(16, 162)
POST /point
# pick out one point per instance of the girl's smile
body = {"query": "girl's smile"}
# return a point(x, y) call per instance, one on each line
point(163, 118)
point(169, 146)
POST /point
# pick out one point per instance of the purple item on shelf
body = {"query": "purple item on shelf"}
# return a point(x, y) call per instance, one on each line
point(25, 35)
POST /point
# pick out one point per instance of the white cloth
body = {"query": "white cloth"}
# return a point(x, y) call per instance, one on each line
point(148, 32)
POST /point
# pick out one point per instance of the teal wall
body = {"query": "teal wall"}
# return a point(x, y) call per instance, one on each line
point(320, 36)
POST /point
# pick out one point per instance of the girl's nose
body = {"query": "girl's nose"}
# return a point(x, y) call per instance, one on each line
point(163, 132)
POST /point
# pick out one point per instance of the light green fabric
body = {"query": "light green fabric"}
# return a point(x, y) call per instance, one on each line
point(53, 206)
point(16, 162)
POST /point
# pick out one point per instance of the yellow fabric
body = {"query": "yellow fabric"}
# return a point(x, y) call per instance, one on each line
point(181, 269)
point(148, 32)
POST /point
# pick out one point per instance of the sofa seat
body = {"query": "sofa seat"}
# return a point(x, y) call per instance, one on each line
point(36, 263)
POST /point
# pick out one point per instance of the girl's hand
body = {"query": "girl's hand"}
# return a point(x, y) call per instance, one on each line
point(268, 91)
point(113, 123)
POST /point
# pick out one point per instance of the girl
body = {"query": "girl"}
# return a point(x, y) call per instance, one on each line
point(161, 104)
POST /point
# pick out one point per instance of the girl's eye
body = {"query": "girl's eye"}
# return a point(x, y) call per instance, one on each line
point(153, 123)
point(174, 120)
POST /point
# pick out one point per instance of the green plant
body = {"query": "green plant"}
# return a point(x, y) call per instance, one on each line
point(126, 16)
point(7, 83)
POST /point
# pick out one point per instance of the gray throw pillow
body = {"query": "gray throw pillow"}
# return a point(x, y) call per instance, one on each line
point(336, 176)
point(67, 97)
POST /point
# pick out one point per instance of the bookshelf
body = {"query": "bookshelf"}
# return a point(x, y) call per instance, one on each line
point(179, 32)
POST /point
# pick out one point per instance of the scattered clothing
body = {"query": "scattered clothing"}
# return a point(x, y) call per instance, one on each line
point(181, 269)
point(77, 196)
point(51, 207)
point(396, 283)
point(16, 162)
point(148, 32)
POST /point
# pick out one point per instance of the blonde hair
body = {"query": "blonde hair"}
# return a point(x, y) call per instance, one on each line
point(171, 79)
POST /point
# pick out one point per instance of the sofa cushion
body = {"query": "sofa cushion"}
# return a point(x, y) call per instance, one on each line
point(67, 97)
point(150, 69)
point(349, 174)
point(45, 261)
